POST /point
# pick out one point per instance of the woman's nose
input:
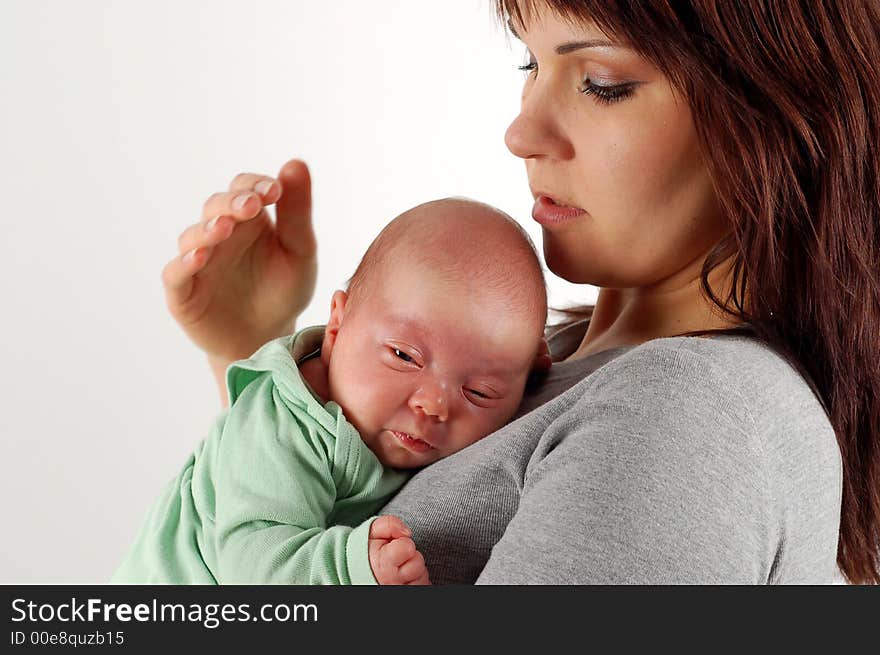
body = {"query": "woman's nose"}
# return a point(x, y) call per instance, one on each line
point(432, 401)
point(536, 132)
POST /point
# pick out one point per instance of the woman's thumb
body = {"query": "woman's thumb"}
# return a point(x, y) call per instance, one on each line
point(294, 209)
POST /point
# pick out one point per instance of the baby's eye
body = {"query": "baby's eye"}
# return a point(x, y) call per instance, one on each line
point(485, 398)
point(402, 355)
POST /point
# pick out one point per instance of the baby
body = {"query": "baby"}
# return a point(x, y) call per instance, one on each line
point(427, 352)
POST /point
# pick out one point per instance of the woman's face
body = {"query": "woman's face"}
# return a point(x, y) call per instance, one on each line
point(602, 131)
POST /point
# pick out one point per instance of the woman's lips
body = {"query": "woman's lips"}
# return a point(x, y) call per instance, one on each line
point(412, 443)
point(548, 213)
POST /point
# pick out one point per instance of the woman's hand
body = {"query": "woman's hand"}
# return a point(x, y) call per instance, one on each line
point(241, 279)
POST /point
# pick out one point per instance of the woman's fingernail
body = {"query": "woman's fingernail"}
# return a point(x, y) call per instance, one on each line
point(263, 188)
point(188, 257)
point(240, 201)
point(212, 223)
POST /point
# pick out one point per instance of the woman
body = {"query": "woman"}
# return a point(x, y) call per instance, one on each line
point(713, 167)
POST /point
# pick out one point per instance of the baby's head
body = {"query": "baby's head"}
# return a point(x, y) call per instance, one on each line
point(431, 347)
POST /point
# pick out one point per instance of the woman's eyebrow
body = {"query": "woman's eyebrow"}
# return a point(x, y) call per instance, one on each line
point(513, 31)
point(565, 48)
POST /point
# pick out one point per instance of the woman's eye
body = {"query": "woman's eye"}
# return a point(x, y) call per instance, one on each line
point(528, 63)
point(402, 355)
point(607, 94)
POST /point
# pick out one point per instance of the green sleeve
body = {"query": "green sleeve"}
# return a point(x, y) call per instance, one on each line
point(274, 492)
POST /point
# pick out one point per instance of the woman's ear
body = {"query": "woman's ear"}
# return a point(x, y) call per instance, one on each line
point(331, 332)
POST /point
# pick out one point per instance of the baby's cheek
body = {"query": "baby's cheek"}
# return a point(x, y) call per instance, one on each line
point(504, 414)
point(491, 421)
point(353, 388)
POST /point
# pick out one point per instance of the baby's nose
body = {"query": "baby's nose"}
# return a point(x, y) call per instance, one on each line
point(431, 400)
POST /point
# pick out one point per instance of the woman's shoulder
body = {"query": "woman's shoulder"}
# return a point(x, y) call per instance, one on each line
point(728, 361)
point(739, 368)
point(714, 447)
point(702, 388)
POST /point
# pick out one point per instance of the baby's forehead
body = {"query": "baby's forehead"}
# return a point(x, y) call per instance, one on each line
point(478, 344)
point(448, 284)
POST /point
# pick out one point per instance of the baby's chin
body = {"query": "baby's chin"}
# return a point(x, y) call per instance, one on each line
point(401, 451)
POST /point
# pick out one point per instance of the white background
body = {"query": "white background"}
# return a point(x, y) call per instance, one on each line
point(119, 119)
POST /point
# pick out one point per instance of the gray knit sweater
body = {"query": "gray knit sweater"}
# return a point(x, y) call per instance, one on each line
point(681, 460)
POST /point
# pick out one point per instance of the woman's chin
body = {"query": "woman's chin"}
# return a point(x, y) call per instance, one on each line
point(568, 266)
point(584, 265)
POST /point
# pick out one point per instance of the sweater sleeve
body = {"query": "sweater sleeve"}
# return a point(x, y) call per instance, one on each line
point(274, 490)
point(654, 476)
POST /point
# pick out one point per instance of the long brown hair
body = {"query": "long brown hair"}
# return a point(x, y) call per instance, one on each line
point(785, 96)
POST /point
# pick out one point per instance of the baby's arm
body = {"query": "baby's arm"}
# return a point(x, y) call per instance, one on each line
point(394, 558)
point(274, 486)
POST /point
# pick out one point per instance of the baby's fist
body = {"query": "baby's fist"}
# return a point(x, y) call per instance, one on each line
point(394, 558)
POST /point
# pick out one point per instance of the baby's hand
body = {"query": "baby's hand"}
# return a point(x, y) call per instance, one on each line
point(393, 555)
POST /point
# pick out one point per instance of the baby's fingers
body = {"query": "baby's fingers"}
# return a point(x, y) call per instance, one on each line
point(388, 527)
point(422, 580)
point(396, 552)
point(413, 569)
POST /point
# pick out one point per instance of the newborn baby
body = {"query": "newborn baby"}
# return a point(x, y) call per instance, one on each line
point(427, 351)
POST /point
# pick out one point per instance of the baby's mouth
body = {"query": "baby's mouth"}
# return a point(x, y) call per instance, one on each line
point(412, 442)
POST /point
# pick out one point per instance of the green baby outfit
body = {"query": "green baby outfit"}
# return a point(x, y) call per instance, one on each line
point(283, 489)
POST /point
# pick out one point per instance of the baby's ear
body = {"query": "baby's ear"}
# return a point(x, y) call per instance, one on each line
point(542, 361)
point(337, 312)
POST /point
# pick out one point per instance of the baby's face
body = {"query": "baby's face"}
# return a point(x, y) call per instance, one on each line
point(423, 367)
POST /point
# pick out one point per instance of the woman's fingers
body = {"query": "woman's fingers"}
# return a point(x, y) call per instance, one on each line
point(177, 276)
point(261, 184)
point(240, 205)
point(248, 194)
point(292, 191)
point(202, 235)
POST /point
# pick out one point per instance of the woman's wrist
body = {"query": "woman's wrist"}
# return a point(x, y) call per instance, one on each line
point(219, 363)
point(218, 370)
